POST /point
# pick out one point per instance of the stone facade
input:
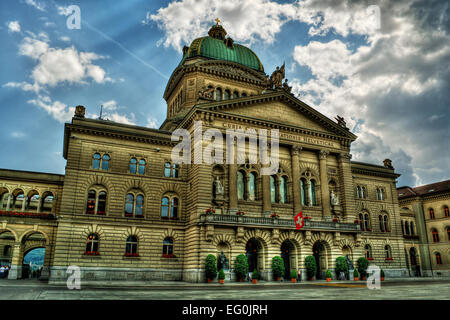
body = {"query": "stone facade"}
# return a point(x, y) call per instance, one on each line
point(168, 235)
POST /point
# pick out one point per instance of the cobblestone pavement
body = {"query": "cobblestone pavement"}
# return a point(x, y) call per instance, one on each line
point(392, 290)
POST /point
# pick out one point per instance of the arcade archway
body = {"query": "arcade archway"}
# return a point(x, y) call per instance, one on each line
point(254, 253)
point(288, 256)
point(320, 254)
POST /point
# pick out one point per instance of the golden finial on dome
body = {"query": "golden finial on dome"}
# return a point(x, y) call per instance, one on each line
point(217, 20)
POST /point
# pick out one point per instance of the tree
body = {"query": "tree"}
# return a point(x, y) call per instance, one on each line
point(341, 266)
point(241, 266)
point(363, 264)
point(311, 267)
point(277, 266)
point(210, 267)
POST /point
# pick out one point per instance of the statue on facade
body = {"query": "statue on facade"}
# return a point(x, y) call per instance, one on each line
point(206, 93)
point(218, 187)
point(349, 263)
point(276, 78)
point(222, 262)
point(340, 120)
point(334, 198)
point(286, 86)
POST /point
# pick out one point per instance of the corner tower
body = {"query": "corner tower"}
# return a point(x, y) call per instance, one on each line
point(213, 67)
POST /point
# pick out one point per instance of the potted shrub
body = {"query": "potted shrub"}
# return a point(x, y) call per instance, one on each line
point(328, 276)
point(277, 267)
point(355, 275)
point(221, 276)
point(211, 267)
point(255, 276)
point(241, 267)
point(341, 266)
point(311, 267)
point(363, 264)
point(293, 276)
point(382, 275)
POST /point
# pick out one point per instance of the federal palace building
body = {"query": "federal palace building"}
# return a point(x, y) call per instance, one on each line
point(124, 210)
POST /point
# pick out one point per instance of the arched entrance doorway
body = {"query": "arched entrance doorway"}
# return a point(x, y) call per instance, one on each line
point(33, 263)
point(287, 254)
point(254, 255)
point(320, 254)
point(7, 241)
point(414, 265)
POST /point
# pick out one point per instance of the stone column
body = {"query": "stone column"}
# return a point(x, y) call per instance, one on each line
point(16, 262)
point(295, 155)
point(346, 187)
point(24, 201)
point(267, 204)
point(8, 204)
point(232, 190)
point(326, 211)
point(45, 274)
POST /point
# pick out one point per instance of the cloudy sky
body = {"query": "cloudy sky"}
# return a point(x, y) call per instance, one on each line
point(383, 65)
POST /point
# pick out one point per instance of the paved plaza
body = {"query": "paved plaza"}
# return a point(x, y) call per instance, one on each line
point(405, 289)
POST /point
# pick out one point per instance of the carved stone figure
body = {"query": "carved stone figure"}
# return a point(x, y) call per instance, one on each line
point(206, 93)
point(218, 187)
point(222, 262)
point(286, 86)
point(340, 120)
point(276, 78)
point(334, 198)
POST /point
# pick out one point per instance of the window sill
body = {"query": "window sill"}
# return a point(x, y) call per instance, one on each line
point(86, 256)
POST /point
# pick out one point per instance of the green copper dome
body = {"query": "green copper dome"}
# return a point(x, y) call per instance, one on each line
point(217, 47)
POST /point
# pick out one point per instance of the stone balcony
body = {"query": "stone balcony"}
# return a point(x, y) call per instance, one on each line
point(235, 220)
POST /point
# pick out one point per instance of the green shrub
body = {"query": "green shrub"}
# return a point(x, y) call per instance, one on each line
point(355, 273)
point(363, 264)
point(341, 266)
point(211, 267)
point(311, 267)
point(277, 266)
point(329, 274)
point(294, 274)
point(255, 274)
point(221, 274)
point(382, 273)
point(241, 266)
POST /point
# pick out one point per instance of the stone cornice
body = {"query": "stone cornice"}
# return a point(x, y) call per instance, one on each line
point(202, 67)
point(373, 170)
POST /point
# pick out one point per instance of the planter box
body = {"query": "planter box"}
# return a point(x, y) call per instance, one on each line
point(210, 280)
point(222, 281)
point(293, 280)
point(254, 281)
point(355, 278)
point(328, 279)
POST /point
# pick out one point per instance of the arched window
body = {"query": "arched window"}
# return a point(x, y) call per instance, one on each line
point(382, 194)
point(448, 233)
point(411, 228)
point(218, 94)
point(47, 202)
point(96, 202)
point(303, 192)
point(407, 228)
point(240, 185)
point(378, 196)
point(358, 192)
point(431, 210)
point(361, 221)
point(105, 162)
point(92, 244)
point(435, 235)
point(235, 95)
point(165, 207)
point(167, 169)
point(244, 94)
point(168, 247)
point(91, 201)
point(133, 165)
point(386, 224)
point(273, 190)
point(175, 170)
point(438, 258)
point(366, 222)
point(446, 212)
point(363, 192)
point(139, 206)
point(252, 186)
point(387, 250)
point(380, 219)
point(131, 245)
point(129, 202)
point(169, 207)
point(403, 227)
point(174, 208)
point(226, 95)
point(141, 166)
point(312, 192)
point(368, 251)
point(283, 190)
point(96, 161)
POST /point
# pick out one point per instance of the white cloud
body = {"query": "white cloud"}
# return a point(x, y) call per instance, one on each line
point(37, 5)
point(152, 123)
point(64, 38)
point(14, 26)
point(57, 109)
point(18, 134)
point(110, 113)
point(64, 11)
